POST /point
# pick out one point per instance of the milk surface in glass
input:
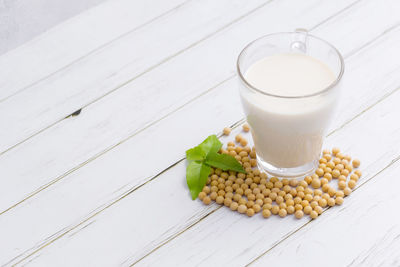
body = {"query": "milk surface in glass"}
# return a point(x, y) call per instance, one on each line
point(288, 133)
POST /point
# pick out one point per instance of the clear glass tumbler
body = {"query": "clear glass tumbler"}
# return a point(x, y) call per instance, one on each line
point(287, 130)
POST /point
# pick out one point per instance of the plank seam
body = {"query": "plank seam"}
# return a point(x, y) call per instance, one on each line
point(177, 234)
point(151, 179)
point(96, 49)
point(95, 213)
point(388, 30)
point(108, 149)
point(363, 111)
point(342, 126)
point(301, 227)
point(122, 196)
point(334, 15)
point(112, 147)
point(99, 154)
point(163, 61)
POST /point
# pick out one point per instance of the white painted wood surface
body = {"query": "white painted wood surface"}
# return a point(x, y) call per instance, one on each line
point(105, 123)
point(107, 187)
point(117, 64)
point(75, 39)
point(21, 21)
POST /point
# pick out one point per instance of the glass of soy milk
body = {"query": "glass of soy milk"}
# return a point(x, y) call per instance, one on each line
point(289, 85)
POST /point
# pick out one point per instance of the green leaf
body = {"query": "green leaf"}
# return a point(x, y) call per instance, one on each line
point(224, 162)
point(196, 153)
point(201, 157)
point(211, 144)
point(196, 177)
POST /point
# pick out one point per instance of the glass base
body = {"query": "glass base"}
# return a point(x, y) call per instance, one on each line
point(295, 173)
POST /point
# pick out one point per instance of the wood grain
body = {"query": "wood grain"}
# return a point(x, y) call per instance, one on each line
point(366, 227)
point(91, 205)
point(70, 41)
point(204, 243)
point(136, 255)
point(97, 129)
point(77, 140)
point(115, 65)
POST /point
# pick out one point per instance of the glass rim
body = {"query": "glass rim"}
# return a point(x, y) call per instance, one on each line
point(333, 84)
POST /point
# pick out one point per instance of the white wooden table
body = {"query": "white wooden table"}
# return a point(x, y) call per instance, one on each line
point(152, 78)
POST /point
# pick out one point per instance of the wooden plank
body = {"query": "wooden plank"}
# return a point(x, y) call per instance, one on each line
point(114, 65)
point(105, 180)
point(74, 39)
point(219, 110)
point(107, 168)
point(208, 241)
point(23, 21)
point(74, 141)
point(374, 11)
point(367, 223)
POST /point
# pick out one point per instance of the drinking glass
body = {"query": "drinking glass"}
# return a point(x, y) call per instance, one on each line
point(287, 130)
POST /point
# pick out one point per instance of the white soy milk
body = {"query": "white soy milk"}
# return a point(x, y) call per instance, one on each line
point(288, 132)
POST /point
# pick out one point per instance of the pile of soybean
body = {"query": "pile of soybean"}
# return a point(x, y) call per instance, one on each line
point(255, 192)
